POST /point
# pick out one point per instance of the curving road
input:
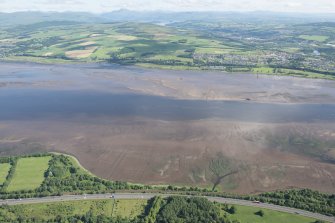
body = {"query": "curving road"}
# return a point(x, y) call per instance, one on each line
point(148, 196)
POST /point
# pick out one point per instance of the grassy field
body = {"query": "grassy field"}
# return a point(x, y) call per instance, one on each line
point(4, 169)
point(291, 72)
point(29, 173)
point(314, 38)
point(247, 215)
point(129, 208)
point(46, 211)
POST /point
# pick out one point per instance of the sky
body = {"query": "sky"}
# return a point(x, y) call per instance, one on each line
point(99, 6)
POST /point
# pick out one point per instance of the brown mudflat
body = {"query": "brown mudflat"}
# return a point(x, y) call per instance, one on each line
point(173, 127)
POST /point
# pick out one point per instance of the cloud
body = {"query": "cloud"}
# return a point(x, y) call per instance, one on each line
point(323, 6)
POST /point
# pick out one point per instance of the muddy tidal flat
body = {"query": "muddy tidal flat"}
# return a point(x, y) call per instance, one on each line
point(173, 127)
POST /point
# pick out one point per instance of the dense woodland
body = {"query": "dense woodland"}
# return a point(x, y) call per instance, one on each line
point(190, 210)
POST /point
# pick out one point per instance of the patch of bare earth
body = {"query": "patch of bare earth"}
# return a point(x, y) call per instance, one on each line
point(88, 43)
point(80, 54)
point(48, 54)
point(122, 37)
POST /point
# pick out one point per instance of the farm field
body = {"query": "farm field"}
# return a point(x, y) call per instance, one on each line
point(29, 173)
point(314, 38)
point(4, 169)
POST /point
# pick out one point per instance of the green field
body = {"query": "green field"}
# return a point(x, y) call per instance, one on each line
point(4, 169)
point(129, 208)
point(247, 215)
point(314, 38)
point(46, 211)
point(29, 173)
point(291, 72)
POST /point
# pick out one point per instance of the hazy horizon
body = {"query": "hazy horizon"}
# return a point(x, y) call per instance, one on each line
point(171, 11)
point(102, 6)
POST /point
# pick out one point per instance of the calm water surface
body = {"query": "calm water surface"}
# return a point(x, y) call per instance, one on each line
point(40, 103)
point(83, 95)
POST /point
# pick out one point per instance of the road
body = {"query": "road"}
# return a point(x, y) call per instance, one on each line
point(148, 196)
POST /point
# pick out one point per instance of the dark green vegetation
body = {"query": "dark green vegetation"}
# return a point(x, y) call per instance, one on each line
point(153, 209)
point(302, 199)
point(224, 43)
point(180, 209)
point(156, 210)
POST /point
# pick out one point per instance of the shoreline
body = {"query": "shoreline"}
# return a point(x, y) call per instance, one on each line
point(162, 68)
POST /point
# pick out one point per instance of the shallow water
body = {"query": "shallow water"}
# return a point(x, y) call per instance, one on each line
point(32, 91)
point(28, 104)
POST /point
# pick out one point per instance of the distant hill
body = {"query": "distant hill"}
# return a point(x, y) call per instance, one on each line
point(23, 18)
point(30, 17)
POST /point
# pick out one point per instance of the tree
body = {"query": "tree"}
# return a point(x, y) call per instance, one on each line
point(260, 213)
point(232, 210)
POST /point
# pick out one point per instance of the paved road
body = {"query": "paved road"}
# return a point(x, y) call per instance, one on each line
point(148, 196)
